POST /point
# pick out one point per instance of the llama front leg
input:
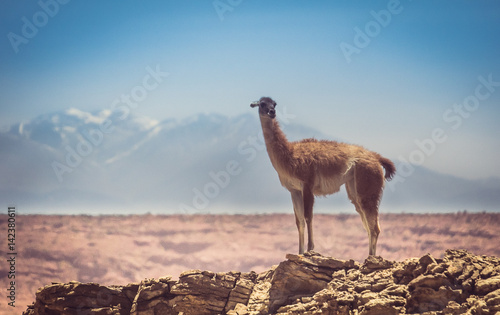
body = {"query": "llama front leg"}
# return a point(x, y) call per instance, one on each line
point(298, 209)
point(308, 198)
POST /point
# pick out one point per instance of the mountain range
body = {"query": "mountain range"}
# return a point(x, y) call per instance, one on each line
point(102, 162)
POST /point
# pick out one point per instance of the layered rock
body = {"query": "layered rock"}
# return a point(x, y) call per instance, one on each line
point(459, 283)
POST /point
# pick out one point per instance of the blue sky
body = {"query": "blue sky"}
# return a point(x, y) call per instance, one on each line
point(418, 62)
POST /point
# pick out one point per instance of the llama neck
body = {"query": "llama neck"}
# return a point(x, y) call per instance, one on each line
point(277, 145)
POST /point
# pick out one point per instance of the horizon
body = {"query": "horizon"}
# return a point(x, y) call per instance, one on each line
point(338, 214)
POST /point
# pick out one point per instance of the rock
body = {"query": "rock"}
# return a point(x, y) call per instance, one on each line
point(424, 299)
point(241, 292)
point(487, 272)
point(492, 299)
point(302, 275)
point(381, 306)
point(315, 259)
point(373, 263)
point(423, 263)
point(303, 284)
point(404, 273)
point(429, 281)
point(78, 298)
point(147, 300)
point(455, 268)
point(202, 292)
point(453, 308)
point(485, 286)
point(477, 306)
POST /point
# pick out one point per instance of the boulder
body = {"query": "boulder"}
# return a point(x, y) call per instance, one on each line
point(302, 284)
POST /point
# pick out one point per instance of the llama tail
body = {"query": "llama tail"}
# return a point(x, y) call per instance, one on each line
point(389, 167)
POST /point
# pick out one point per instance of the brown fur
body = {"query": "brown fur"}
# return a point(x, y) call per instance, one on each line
point(311, 168)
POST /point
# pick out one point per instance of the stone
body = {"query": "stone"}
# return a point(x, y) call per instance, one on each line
point(240, 294)
point(455, 268)
point(487, 272)
point(380, 306)
point(145, 299)
point(454, 308)
point(77, 298)
point(397, 290)
point(429, 281)
point(423, 263)
point(485, 286)
point(292, 280)
point(492, 299)
point(315, 259)
point(373, 263)
point(424, 299)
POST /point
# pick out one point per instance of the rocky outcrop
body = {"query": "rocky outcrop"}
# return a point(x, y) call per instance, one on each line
point(460, 283)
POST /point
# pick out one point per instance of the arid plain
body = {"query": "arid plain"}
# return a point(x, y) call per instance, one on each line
point(125, 249)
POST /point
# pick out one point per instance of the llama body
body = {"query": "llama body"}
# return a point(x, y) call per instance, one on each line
point(311, 168)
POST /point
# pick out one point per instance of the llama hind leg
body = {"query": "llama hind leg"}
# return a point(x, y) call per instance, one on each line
point(365, 187)
point(369, 217)
point(365, 210)
point(373, 228)
point(298, 209)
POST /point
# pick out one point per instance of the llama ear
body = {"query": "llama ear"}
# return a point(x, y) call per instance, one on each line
point(255, 104)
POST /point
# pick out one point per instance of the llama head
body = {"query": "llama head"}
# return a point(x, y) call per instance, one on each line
point(266, 107)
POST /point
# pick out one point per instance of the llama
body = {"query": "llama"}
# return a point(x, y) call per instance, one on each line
point(310, 168)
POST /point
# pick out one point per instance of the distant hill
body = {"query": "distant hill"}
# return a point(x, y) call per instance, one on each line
point(113, 162)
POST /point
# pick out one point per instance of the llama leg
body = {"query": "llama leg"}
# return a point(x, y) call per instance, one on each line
point(370, 223)
point(370, 208)
point(366, 225)
point(365, 190)
point(352, 193)
point(308, 213)
point(298, 208)
point(350, 187)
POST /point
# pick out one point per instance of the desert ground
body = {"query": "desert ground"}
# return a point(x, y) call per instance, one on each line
point(125, 249)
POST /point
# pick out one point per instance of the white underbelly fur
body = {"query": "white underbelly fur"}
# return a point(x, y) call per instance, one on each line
point(323, 185)
point(327, 185)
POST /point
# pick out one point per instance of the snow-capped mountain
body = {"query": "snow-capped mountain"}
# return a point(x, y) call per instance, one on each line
point(100, 162)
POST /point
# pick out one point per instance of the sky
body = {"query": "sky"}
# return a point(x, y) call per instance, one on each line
point(417, 81)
